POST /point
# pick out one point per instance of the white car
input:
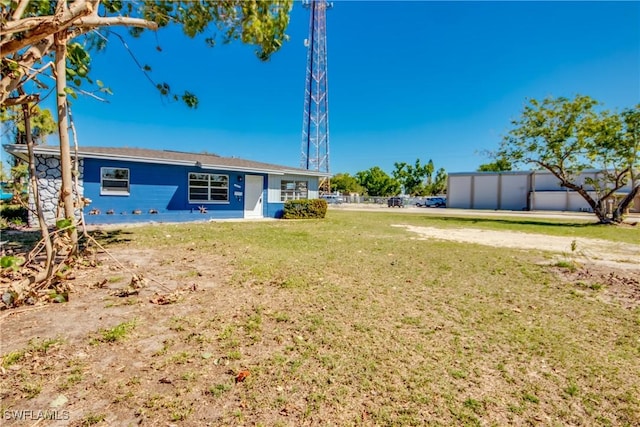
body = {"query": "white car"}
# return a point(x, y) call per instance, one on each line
point(332, 198)
point(434, 202)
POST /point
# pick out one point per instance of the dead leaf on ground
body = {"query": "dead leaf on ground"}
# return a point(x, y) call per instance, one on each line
point(170, 298)
point(137, 281)
point(127, 292)
point(242, 375)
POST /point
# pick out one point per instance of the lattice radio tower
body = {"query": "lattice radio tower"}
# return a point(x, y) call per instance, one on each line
point(315, 121)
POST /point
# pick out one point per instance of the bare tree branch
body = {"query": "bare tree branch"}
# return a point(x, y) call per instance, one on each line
point(90, 94)
point(44, 27)
point(17, 14)
point(22, 99)
point(12, 80)
point(34, 23)
point(123, 21)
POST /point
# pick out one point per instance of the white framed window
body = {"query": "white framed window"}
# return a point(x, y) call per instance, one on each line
point(293, 190)
point(208, 188)
point(114, 181)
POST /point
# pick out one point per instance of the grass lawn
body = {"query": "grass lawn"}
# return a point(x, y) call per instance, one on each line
point(344, 321)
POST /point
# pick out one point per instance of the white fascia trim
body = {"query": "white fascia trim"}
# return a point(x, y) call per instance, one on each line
point(240, 168)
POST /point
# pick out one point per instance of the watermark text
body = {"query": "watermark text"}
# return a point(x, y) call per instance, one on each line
point(35, 415)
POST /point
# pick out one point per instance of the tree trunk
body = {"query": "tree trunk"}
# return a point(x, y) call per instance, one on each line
point(36, 194)
point(599, 207)
point(601, 213)
point(618, 213)
point(66, 191)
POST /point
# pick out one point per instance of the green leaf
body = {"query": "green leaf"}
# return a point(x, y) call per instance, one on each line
point(69, 91)
point(163, 88)
point(11, 261)
point(190, 99)
point(60, 298)
point(112, 6)
point(7, 261)
point(65, 223)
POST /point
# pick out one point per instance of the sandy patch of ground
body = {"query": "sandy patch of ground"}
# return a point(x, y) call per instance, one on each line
point(585, 251)
point(592, 264)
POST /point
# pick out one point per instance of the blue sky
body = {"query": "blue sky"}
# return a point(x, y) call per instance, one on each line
point(407, 80)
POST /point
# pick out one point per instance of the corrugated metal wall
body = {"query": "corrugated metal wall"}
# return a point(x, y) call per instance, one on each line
point(486, 191)
point(514, 191)
point(459, 191)
point(507, 191)
point(539, 190)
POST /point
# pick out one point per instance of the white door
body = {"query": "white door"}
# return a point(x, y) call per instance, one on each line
point(253, 188)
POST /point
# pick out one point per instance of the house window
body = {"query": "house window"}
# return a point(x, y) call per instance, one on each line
point(114, 181)
point(293, 190)
point(208, 188)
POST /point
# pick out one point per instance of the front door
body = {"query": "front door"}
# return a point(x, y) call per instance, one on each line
point(253, 188)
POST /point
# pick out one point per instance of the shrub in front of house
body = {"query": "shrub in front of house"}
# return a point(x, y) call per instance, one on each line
point(12, 215)
point(305, 208)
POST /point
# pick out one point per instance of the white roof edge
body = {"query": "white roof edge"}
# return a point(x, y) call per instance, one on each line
point(50, 149)
point(302, 172)
point(526, 172)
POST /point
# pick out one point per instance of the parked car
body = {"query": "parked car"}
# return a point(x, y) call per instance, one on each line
point(433, 202)
point(395, 201)
point(332, 198)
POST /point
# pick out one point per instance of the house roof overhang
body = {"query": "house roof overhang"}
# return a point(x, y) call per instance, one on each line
point(167, 157)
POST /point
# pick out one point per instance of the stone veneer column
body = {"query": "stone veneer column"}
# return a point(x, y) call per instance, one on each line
point(49, 183)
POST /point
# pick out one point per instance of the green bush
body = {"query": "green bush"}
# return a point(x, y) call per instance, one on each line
point(12, 215)
point(306, 208)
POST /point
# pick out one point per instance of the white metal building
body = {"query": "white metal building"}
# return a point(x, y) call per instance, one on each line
point(518, 190)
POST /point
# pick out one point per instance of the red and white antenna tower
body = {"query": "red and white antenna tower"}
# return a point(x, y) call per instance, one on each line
point(315, 121)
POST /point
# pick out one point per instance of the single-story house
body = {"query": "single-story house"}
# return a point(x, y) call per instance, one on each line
point(521, 190)
point(139, 185)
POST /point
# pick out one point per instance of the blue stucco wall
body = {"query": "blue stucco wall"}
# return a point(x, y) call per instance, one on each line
point(163, 188)
point(275, 210)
